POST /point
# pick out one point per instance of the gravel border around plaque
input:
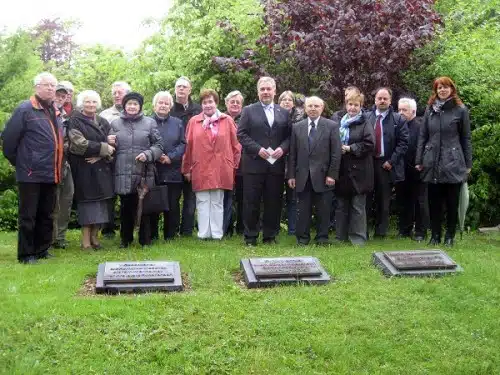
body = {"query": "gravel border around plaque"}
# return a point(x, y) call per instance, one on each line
point(419, 263)
point(138, 277)
point(266, 272)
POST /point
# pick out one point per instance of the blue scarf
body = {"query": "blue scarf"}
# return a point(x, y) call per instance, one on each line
point(344, 126)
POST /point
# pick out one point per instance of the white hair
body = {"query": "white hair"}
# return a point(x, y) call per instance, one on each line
point(163, 94)
point(233, 94)
point(309, 98)
point(266, 80)
point(88, 94)
point(44, 75)
point(411, 103)
point(68, 85)
point(182, 80)
point(121, 84)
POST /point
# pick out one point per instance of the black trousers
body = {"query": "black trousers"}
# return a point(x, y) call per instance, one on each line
point(378, 202)
point(269, 189)
point(36, 207)
point(172, 217)
point(447, 194)
point(238, 201)
point(188, 209)
point(413, 207)
point(128, 214)
point(322, 202)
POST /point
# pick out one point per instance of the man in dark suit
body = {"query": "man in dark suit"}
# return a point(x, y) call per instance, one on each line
point(391, 143)
point(184, 108)
point(314, 163)
point(412, 192)
point(264, 134)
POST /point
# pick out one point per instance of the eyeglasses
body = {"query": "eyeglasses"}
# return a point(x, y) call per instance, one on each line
point(52, 85)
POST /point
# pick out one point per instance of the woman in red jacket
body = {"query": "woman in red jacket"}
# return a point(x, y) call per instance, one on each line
point(210, 161)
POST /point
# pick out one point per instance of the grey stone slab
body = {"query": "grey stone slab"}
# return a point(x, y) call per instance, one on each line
point(424, 259)
point(419, 263)
point(137, 277)
point(124, 272)
point(264, 272)
point(282, 267)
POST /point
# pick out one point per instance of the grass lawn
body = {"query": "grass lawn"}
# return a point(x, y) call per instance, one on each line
point(363, 323)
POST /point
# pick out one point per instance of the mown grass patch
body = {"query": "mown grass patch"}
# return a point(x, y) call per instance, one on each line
point(363, 323)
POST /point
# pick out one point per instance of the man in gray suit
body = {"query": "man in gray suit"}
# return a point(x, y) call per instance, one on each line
point(314, 163)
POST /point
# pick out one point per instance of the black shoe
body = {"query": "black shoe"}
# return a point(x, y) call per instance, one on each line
point(250, 243)
point(302, 243)
point(46, 255)
point(323, 243)
point(124, 245)
point(59, 245)
point(448, 242)
point(109, 235)
point(29, 260)
point(434, 241)
point(269, 241)
point(401, 236)
point(418, 238)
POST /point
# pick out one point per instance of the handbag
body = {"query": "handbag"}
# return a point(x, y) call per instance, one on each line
point(156, 198)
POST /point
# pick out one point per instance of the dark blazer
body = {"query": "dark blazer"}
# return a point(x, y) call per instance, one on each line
point(396, 136)
point(444, 146)
point(254, 132)
point(321, 160)
point(414, 126)
point(185, 114)
point(356, 166)
point(173, 141)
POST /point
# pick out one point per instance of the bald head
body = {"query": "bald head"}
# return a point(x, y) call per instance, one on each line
point(314, 106)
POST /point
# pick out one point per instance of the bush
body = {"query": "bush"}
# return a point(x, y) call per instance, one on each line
point(8, 210)
point(467, 50)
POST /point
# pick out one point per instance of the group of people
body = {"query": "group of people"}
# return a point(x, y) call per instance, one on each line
point(344, 167)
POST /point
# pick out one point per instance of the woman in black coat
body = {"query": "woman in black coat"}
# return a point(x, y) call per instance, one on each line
point(356, 171)
point(168, 167)
point(444, 156)
point(90, 159)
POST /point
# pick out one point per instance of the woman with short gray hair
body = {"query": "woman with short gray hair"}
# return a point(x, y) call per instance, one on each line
point(168, 167)
point(90, 159)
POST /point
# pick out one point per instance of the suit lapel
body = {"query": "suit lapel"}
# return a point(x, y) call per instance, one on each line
point(317, 136)
point(262, 113)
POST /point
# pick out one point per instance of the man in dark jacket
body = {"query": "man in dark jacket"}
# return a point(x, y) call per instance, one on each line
point(234, 105)
point(412, 192)
point(33, 144)
point(264, 134)
point(391, 143)
point(313, 168)
point(65, 189)
point(184, 108)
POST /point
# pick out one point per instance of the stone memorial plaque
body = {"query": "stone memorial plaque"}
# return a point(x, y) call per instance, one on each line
point(262, 272)
point(416, 263)
point(276, 267)
point(410, 260)
point(136, 277)
point(135, 271)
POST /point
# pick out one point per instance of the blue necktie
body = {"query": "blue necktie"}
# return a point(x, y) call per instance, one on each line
point(312, 133)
